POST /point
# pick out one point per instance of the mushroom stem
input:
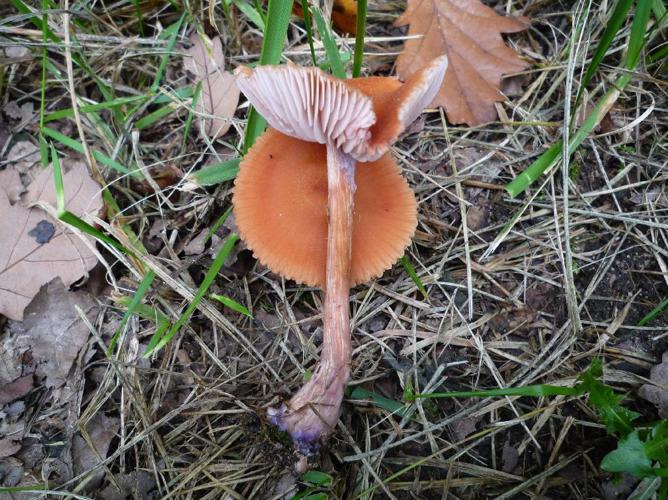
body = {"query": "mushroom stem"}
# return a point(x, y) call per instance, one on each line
point(341, 192)
point(313, 411)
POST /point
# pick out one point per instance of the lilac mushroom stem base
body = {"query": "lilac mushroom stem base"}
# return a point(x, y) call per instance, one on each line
point(312, 413)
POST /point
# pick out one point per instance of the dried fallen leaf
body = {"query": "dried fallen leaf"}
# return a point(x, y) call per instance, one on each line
point(197, 243)
point(470, 34)
point(463, 427)
point(11, 362)
point(657, 392)
point(22, 156)
point(15, 389)
point(23, 113)
point(17, 52)
point(53, 332)
point(11, 473)
point(35, 248)
point(510, 457)
point(10, 180)
point(101, 430)
point(135, 484)
point(8, 447)
point(219, 96)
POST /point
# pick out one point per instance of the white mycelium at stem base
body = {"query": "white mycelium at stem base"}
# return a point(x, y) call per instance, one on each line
point(311, 106)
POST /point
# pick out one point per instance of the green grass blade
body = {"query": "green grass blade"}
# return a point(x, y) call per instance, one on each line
point(306, 9)
point(159, 334)
point(216, 225)
point(254, 128)
point(260, 9)
point(58, 180)
point(555, 152)
point(164, 60)
point(69, 217)
point(278, 18)
point(410, 270)
point(43, 150)
point(309, 494)
point(132, 307)
point(231, 303)
point(144, 311)
point(317, 478)
point(173, 95)
point(638, 31)
point(331, 49)
point(612, 28)
point(84, 227)
point(535, 170)
point(251, 13)
point(659, 8)
point(215, 174)
point(155, 116)
point(386, 404)
point(191, 115)
point(201, 291)
point(654, 312)
point(89, 108)
point(41, 25)
point(77, 146)
point(140, 19)
point(660, 54)
point(359, 37)
point(529, 390)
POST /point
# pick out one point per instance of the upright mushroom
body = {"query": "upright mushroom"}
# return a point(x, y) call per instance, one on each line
point(309, 214)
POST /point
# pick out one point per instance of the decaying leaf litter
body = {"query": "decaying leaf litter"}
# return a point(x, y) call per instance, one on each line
point(190, 419)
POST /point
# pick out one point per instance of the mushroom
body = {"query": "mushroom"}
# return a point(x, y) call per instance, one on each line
point(319, 200)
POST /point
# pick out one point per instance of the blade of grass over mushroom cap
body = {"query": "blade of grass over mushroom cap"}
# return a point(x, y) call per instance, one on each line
point(314, 109)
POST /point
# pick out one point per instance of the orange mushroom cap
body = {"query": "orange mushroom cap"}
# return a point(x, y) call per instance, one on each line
point(280, 205)
point(280, 195)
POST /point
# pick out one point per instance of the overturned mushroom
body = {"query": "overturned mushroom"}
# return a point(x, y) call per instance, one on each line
point(309, 214)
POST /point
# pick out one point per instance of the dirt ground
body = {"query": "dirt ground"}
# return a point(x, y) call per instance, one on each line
point(190, 421)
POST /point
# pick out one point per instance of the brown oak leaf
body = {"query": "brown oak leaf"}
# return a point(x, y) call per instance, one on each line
point(657, 391)
point(15, 389)
point(34, 247)
point(219, 96)
point(469, 33)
